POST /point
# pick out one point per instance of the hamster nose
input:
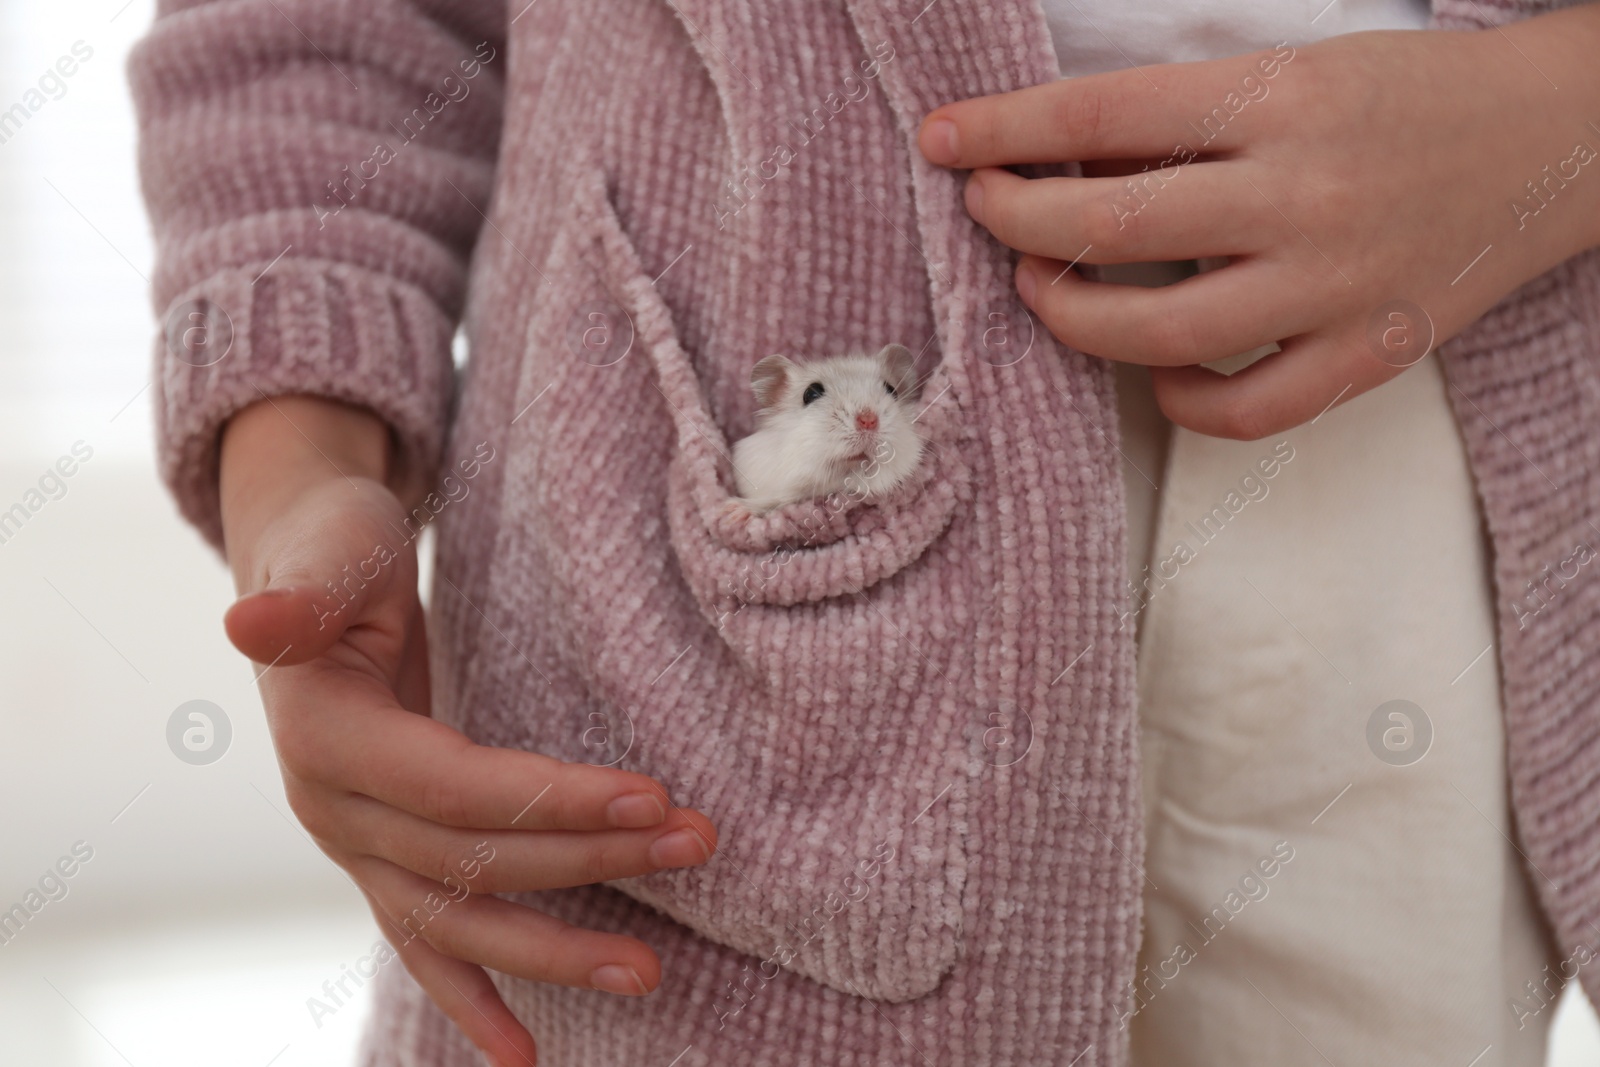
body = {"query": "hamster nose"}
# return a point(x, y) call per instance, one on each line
point(866, 420)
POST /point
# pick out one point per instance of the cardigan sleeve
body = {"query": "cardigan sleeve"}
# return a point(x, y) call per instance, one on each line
point(314, 172)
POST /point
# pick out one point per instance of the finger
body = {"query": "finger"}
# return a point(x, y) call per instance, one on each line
point(1297, 385)
point(295, 619)
point(511, 861)
point(464, 993)
point(321, 578)
point(505, 936)
point(1118, 168)
point(1207, 317)
point(412, 687)
point(279, 625)
point(1182, 212)
point(422, 766)
point(1145, 111)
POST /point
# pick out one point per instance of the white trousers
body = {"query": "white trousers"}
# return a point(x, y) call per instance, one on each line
point(1327, 883)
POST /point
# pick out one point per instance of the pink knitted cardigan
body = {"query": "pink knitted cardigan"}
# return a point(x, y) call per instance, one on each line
point(913, 723)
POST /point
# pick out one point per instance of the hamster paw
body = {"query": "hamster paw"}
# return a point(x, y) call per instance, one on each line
point(737, 513)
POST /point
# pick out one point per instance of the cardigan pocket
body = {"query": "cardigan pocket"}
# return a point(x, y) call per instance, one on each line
point(802, 713)
point(806, 551)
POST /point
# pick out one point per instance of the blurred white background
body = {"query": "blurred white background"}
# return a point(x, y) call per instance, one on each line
point(205, 919)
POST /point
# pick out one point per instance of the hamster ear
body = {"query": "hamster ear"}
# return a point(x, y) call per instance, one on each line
point(899, 368)
point(768, 379)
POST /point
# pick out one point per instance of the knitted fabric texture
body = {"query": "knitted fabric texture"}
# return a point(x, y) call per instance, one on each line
point(912, 722)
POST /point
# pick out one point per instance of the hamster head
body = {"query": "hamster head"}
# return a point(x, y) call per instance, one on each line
point(848, 420)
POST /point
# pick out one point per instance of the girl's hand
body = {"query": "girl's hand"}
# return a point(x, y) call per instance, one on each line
point(1371, 192)
point(415, 813)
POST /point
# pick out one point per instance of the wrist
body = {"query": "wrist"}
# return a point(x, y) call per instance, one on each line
point(276, 450)
point(1562, 86)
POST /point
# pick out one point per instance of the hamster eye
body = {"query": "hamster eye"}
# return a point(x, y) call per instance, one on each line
point(813, 392)
point(889, 389)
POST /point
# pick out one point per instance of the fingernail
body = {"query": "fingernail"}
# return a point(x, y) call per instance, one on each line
point(618, 978)
point(681, 848)
point(975, 199)
point(636, 810)
point(275, 591)
point(940, 143)
point(1027, 284)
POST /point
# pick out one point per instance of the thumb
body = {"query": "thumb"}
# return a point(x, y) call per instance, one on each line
point(298, 616)
point(333, 557)
point(290, 621)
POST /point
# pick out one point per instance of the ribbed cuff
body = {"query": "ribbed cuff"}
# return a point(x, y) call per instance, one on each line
point(310, 327)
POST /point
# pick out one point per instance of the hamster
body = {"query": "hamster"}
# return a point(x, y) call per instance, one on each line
point(846, 423)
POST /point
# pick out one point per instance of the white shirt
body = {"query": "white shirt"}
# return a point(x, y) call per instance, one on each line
point(1092, 36)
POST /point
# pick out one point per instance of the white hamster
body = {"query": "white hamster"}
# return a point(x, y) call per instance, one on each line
point(843, 424)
